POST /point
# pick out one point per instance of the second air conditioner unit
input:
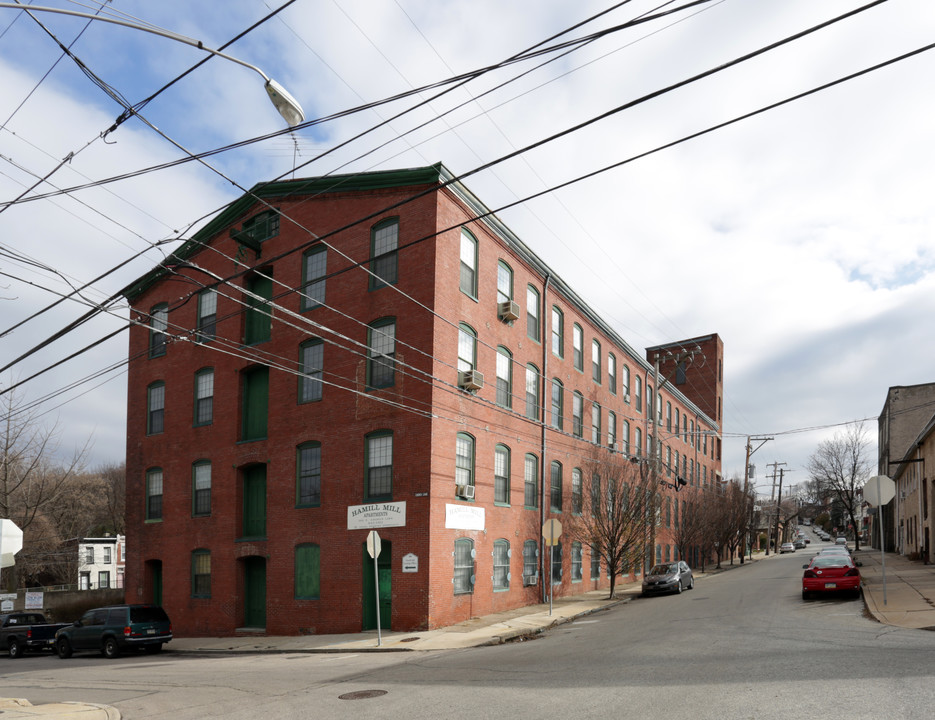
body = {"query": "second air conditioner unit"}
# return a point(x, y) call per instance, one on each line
point(466, 491)
point(508, 310)
point(471, 379)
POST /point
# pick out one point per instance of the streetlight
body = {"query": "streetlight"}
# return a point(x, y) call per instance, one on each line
point(285, 104)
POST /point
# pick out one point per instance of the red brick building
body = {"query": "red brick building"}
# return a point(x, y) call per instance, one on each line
point(331, 355)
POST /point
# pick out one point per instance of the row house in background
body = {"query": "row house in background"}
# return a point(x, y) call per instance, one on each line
point(378, 351)
point(101, 562)
point(906, 444)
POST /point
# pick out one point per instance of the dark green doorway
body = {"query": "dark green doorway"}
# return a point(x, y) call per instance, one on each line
point(254, 502)
point(254, 592)
point(384, 571)
point(155, 581)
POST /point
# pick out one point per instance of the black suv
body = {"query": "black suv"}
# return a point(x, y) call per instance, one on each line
point(111, 630)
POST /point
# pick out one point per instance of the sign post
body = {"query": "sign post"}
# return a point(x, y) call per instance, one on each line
point(551, 532)
point(879, 491)
point(373, 548)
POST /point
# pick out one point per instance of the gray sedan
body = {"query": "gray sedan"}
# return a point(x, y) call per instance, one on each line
point(668, 577)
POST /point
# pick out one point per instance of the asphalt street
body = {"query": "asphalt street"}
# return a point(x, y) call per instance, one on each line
point(742, 644)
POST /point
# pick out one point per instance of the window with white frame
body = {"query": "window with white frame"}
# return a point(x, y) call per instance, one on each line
point(467, 348)
point(504, 282)
point(464, 460)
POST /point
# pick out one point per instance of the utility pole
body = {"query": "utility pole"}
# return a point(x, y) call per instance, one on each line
point(778, 501)
point(746, 491)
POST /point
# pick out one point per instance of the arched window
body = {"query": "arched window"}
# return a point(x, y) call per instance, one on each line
point(501, 565)
point(384, 241)
point(504, 377)
point(468, 281)
point(556, 486)
point(501, 475)
point(381, 353)
point(464, 566)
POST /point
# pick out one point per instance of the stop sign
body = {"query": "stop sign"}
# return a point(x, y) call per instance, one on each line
point(879, 490)
point(11, 542)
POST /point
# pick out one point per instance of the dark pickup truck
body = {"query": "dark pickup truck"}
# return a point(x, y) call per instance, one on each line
point(22, 631)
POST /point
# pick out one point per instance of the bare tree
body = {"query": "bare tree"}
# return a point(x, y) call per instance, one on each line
point(32, 476)
point(690, 529)
point(620, 507)
point(841, 466)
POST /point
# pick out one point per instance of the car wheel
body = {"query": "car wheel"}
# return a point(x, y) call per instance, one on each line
point(110, 649)
point(691, 583)
point(16, 648)
point(678, 588)
point(63, 648)
point(153, 649)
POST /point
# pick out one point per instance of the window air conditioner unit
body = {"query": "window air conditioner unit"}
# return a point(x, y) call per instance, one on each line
point(466, 491)
point(471, 380)
point(531, 579)
point(508, 311)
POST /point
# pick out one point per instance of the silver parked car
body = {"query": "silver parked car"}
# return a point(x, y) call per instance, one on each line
point(668, 577)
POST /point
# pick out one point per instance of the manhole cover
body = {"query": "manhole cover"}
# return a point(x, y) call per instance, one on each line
point(362, 695)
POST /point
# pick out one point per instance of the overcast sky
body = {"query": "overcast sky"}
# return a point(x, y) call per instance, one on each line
point(803, 235)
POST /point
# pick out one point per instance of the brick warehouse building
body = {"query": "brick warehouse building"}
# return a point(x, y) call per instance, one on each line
point(331, 355)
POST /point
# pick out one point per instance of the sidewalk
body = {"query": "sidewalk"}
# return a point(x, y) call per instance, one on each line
point(910, 590)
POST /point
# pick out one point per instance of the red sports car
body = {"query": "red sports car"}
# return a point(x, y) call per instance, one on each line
point(831, 573)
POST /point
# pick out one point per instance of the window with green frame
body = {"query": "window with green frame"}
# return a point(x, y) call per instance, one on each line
point(595, 423)
point(596, 495)
point(596, 361)
point(258, 321)
point(576, 562)
point(504, 282)
point(158, 325)
point(504, 378)
point(558, 332)
point(384, 254)
point(381, 353)
point(532, 313)
point(207, 315)
point(577, 491)
point(556, 486)
point(155, 408)
point(501, 475)
point(467, 347)
point(577, 414)
point(201, 488)
point(463, 566)
point(378, 466)
point(201, 573)
point(556, 551)
point(311, 361)
point(255, 403)
point(204, 397)
point(530, 560)
point(314, 272)
point(612, 373)
point(595, 564)
point(468, 278)
point(577, 346)
point(308, 474)
point(154, 494)
point(531, 481)
point(532, 392)
point(558, 401)
point(464, 460)
point(307, 571)
point(501, 565)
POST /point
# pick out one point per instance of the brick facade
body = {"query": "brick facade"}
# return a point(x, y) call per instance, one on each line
point(243, 579)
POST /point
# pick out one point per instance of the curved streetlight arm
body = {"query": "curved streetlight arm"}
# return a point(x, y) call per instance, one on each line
point(287, 105)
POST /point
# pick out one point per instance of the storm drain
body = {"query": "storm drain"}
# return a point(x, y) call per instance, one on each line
point(362, 695)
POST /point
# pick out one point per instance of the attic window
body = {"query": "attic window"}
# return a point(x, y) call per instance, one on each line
point(259, 228)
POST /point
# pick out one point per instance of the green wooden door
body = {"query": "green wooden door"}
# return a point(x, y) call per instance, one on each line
point(259, 316)
point(254, 502)
point(384, 572)
point(254, 609)
point(255, 403)
point(157, 582)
